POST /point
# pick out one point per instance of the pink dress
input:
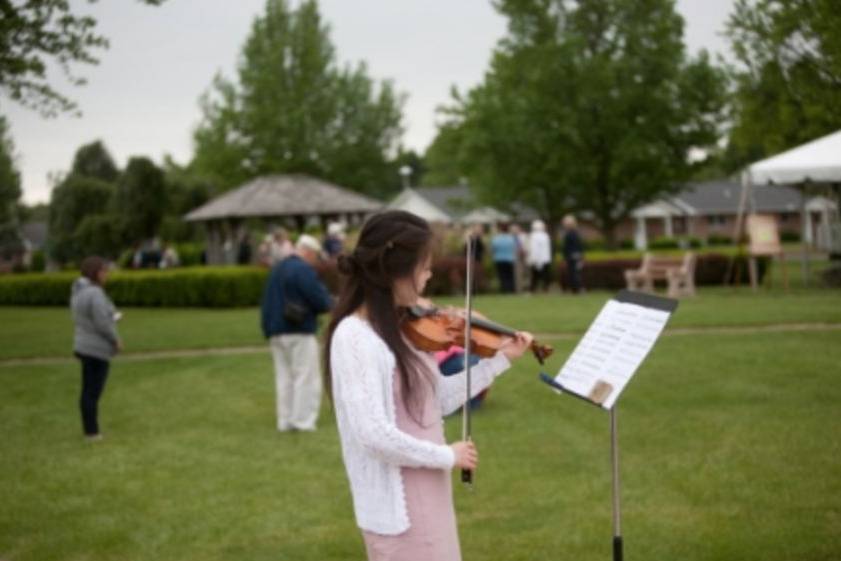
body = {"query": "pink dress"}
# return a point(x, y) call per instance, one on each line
point(432, 533)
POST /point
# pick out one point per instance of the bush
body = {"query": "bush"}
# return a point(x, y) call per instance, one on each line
point(199, 287)
point(719, 239)
point(710, 269)
point(448, 277)
point(39, 261)
point(790, 237)
point(211, 287)
point(664, 243)
point(689, 242)
point(597, 244)
point(189, 253)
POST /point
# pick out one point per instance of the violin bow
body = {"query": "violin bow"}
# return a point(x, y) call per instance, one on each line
point(466, 474)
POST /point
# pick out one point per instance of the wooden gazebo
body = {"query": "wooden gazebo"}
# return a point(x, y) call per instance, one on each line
point(277, 200)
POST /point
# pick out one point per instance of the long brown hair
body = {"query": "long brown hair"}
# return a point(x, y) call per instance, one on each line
point(391, 246)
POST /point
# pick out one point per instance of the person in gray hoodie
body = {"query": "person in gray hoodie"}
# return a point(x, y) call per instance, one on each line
point(95, 338)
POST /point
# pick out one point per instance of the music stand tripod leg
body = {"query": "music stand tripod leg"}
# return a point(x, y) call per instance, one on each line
point(617, 517)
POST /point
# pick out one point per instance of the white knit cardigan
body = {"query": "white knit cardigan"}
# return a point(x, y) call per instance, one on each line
point(374, 449)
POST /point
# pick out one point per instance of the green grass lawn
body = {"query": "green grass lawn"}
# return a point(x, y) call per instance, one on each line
point(32, 332)
point(730, 449)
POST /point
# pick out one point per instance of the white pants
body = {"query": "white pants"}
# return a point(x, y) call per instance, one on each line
point(297, 380)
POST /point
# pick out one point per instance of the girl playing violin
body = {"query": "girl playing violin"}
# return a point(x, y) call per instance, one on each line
point(389, 398)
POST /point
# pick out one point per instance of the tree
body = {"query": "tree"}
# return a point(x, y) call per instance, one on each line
point(93, 160)
point(141, 199)
point(442, 157)
point(295, 110)
point(72, 201)
point(82, 219)
point(10, 192)
point(788, 86)
point(186, 190)
point(36, 33)
point(588, 105)
point(414, 162)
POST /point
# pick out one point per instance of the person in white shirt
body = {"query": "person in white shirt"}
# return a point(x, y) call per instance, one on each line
point(539, 255)
point(389, 398)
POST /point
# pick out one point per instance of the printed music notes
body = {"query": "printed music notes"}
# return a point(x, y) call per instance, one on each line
point(614, 346)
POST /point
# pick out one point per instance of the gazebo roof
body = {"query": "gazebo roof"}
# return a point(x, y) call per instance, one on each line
point(284, 195)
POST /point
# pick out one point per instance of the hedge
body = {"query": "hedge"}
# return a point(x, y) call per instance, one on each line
point(710, 269)
point(212, 287)
point(192, 286)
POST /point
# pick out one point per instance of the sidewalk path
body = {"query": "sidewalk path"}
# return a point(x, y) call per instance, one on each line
point(566, 336)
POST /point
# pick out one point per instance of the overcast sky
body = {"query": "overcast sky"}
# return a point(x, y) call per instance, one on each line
point(142, 98)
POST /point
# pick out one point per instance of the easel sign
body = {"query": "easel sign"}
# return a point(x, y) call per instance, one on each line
point(763, 235)
point(605, 360)
point(764, 241)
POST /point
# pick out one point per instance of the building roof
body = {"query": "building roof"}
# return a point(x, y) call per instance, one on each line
point(455, 201)
point(457, 204)
point(722, 197)
point(285, 195)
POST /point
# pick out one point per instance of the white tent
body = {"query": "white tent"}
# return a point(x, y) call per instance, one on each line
point(818, 161)
point(816, 164)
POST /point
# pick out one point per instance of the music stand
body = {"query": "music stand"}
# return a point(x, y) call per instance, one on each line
point(605, 360)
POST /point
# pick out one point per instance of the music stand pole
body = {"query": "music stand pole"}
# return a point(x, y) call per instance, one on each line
point(617, 517)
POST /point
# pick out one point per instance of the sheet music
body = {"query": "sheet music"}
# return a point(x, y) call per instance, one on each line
point(611, 351)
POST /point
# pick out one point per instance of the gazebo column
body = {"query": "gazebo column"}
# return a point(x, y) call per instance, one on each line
point(668, 227)
point(640, 235)
point(214, 253)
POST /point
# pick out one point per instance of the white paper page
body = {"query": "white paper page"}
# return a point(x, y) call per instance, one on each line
point(612, 349)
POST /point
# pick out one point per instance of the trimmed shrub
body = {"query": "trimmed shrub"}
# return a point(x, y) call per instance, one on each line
point(597, 244)
point(719, 239)
point(448, 277)
point(39, 261)
point(789, 237)
point(664, 243)
point(211, 287)
point(189, 253)
point(710, 269)
point(203, 287)
point(689, 242)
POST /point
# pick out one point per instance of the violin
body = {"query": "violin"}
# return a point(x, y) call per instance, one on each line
point(432, 329)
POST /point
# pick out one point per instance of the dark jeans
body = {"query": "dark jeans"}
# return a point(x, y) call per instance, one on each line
point(505, 272)
point(540, 274)
point(94, 374)
point(574, 274)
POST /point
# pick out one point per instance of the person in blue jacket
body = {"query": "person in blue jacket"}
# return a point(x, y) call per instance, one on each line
point(292, 300)
point(504, 251)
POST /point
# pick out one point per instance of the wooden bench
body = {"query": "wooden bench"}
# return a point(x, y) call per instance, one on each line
point(679, 274)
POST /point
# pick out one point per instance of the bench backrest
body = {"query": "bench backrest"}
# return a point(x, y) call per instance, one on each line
point(657, 265)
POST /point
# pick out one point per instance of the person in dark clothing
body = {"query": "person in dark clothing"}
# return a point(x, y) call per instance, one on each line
point(95, 338)
point(244, 250)
point(475, 236)
point(573, 249)
point(292, 299)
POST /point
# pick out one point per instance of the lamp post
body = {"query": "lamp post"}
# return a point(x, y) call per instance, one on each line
point(405, 173)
